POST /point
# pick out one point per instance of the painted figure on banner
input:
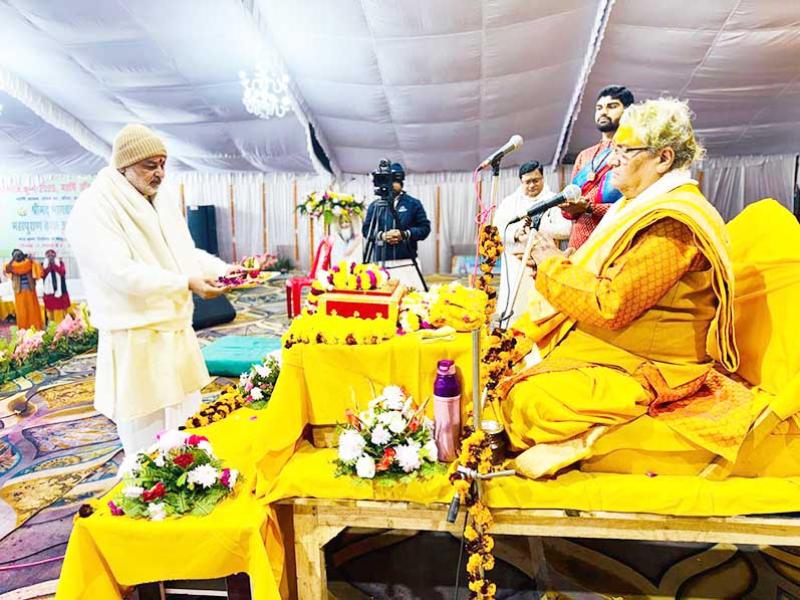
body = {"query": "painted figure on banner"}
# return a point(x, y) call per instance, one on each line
point(533, 188)
point(54, 281)
point(398, 239)
point(140, 267)
point(592, 170)
point(23, 272)
point(634, 320)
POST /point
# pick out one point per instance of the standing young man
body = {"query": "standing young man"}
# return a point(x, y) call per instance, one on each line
point(592, 169)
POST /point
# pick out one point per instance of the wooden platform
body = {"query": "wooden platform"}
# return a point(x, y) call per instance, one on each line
point(316, 522)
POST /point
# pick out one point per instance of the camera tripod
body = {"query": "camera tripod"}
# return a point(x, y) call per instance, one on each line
point(384, 206)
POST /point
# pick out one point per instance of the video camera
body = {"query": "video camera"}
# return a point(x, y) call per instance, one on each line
point(385, 175)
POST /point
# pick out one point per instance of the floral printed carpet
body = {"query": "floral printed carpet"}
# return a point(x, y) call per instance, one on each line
point(56, 451)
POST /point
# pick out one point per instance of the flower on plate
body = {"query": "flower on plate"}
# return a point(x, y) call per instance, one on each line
point(115, 510)
point(396, 423)
point(431, 451)
point(229, 477)
point(204, 475)
point(132, 491)
point(194, 440)
point(157, 511)
point(351, 445)
point(408, 456)
point(256, 393)
point(171, 439)
point(154, 493)
point(380, 436)
point(365, 467)
point(184, 460)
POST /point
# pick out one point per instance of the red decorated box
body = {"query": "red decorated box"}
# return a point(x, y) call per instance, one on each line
point(383, 302)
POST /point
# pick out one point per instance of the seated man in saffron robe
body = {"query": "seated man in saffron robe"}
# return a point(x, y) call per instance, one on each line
point(635, 318)
point(24, 271)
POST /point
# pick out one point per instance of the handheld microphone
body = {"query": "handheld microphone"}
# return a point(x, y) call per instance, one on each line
point(513, 143)
point(569, 193)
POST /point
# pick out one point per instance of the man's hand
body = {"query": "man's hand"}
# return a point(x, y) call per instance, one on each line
point(393, 236)
point(206, 288)
point(574, 208)
point(543, 248)
point(521, 234)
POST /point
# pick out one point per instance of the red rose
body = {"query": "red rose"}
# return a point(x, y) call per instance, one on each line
point(194, 440)
point(413, 425)
point(183, 460)
point(389, 453)
point(383, 464)
point(154, 493)
point(255, 273)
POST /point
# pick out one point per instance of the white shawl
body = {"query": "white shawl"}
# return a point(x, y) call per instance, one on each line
point(135, 257)
point(135, 260)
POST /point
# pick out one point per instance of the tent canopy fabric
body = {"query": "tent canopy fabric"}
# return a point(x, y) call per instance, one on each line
point(435, 85)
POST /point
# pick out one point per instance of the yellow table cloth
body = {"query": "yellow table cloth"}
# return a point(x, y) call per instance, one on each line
point(319, 382)
point(107, 552)
point(310, 473)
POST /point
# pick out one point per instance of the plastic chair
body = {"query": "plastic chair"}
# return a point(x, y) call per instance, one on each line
point(295, 285)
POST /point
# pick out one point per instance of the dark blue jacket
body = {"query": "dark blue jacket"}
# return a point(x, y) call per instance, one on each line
point(412, 221)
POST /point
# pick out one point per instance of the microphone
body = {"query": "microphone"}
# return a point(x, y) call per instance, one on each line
point(513, 143)
point(571, 192)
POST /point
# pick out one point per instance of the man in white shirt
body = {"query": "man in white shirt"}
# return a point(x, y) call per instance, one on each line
point(139, 268)
point(533, 189)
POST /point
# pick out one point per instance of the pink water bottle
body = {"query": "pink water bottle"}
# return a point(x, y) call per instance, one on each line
point(446, 410)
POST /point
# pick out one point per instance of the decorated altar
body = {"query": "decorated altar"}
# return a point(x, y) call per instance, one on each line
point(644, 482)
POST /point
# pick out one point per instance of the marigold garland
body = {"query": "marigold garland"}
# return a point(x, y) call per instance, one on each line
point(350, 277)
point(335, 330)
point(490, 247)
point(229, 400)
point(476, 455)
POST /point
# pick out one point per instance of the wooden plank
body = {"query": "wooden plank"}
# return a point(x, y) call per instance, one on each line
point(557, 523)
point(310, 537)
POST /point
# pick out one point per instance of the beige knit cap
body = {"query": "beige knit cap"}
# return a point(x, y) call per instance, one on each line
point(134, 143)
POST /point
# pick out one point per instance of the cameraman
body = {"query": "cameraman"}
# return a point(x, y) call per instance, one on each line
point(396, 239)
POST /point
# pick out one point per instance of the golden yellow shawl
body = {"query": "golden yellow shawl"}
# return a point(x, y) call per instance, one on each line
point(546, 327)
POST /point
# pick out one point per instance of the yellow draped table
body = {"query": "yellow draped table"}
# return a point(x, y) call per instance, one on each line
point(106, 553)
point(319, 382)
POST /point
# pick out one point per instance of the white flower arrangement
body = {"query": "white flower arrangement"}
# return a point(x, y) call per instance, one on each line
point(391, 440)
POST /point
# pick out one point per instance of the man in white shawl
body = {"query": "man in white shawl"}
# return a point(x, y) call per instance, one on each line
point(532, 189)
point(139, 267)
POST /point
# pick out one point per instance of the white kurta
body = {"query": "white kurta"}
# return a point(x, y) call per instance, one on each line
point(135, 260)
point(510, 207)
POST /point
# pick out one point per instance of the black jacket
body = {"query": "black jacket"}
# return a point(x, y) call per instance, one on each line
point(412, 221)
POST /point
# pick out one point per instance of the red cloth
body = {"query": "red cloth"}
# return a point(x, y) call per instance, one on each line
point(50, 301)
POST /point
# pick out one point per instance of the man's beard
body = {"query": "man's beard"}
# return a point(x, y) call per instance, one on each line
point(607, 126)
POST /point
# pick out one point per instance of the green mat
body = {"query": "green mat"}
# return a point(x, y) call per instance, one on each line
point(234, 354)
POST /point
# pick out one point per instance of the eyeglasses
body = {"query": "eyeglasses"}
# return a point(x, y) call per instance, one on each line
point(624, 155)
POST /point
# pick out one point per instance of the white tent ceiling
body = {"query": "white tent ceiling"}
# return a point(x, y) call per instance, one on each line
point(436, 84)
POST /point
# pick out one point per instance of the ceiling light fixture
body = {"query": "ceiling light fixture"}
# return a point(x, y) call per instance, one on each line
point(266, 94)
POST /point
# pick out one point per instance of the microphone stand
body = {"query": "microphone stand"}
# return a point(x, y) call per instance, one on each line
point(507, 316)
